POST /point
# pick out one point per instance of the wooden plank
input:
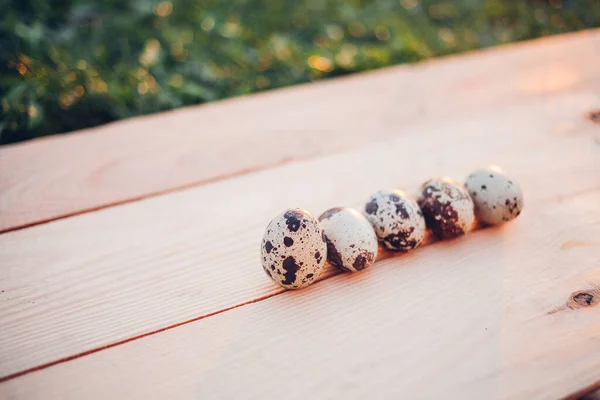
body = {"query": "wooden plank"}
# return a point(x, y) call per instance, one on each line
point(488, 316)
point(51, 178)
point(83, 283)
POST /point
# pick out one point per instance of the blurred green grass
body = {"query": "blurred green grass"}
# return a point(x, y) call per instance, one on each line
point(66, 65)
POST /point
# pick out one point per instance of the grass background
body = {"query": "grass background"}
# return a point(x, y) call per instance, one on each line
point(71, 64)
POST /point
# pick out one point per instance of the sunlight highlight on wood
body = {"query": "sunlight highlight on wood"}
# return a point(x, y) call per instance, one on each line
point(576, 243)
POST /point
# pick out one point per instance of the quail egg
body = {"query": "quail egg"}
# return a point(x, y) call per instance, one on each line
point(497, 197)
point(293, 249)
point(397, 220)
point(447, 207)
point(351, 241)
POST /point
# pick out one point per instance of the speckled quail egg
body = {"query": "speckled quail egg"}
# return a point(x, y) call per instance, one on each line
point(497, 198)
point(447, 207)
point(351, 241)
point(294, 249)
point(397, 220)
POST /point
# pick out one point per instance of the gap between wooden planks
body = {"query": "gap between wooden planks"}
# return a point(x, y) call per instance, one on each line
point(470, 318)
point(87, 282)
point(52, 178)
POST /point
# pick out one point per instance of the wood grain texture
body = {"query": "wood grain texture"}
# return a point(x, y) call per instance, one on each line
point(471, 318)
point(82, 283)
point(51, 178)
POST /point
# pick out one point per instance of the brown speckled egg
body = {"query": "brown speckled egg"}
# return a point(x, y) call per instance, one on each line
point(293, 249)
point(351, 242)
point(397, 220)
point(497, 198)
point(447, 207)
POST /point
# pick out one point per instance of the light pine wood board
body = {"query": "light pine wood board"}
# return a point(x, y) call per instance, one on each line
point(51, 178)
point(86, 282)
point(487, 316)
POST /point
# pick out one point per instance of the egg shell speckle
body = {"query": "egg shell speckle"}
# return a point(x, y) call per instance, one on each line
point(351, 241)
point(447, 207)
point(497, 198)
point(293, 250)
point(397, 220)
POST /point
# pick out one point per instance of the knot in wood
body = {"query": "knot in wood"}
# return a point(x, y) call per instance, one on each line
point(581, 299)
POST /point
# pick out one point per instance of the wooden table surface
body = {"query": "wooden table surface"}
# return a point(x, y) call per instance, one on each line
point(129, 253)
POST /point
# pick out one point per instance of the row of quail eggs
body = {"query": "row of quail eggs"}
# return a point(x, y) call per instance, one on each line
point(296, 245)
